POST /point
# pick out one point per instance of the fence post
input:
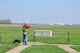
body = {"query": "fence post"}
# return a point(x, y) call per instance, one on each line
point(0, 37)
point(68, 39)
point(34, 38)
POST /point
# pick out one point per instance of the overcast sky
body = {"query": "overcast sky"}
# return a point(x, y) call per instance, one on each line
point(41, 11)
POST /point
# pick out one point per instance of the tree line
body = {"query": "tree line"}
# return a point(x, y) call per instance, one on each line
point(5, 21)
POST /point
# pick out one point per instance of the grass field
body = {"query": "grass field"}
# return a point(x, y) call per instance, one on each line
point(59, 34)
point(76, 48)
point(7, 36)
point(43, 49)
point(10, 33)
point(6, 46)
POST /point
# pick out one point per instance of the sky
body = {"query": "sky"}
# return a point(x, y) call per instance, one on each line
point(41, 11)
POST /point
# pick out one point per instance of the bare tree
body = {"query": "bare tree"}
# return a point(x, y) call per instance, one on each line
point(5, 21)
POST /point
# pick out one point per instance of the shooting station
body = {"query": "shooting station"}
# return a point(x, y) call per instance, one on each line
point(43, 33)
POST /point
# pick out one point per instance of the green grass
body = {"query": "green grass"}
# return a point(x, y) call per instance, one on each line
point(10, 33)
point(59, 34)
point(7, 36)
point(6, 46)
point(76, 48)
point(43, 49)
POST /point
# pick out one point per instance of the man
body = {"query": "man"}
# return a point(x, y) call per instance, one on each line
point(25, 33)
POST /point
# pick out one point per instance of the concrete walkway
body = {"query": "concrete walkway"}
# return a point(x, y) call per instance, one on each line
point(67, 48)
point(22, 47)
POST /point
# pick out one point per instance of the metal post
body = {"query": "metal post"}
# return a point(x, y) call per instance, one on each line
point(68, 38)
point(0, 37)
point(34, 38)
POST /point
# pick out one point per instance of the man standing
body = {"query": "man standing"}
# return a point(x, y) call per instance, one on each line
point(25, 33)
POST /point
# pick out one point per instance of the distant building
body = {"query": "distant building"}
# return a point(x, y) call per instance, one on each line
point(59, 24)
point(51, 24)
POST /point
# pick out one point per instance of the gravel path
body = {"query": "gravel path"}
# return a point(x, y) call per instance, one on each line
point(22, 47)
